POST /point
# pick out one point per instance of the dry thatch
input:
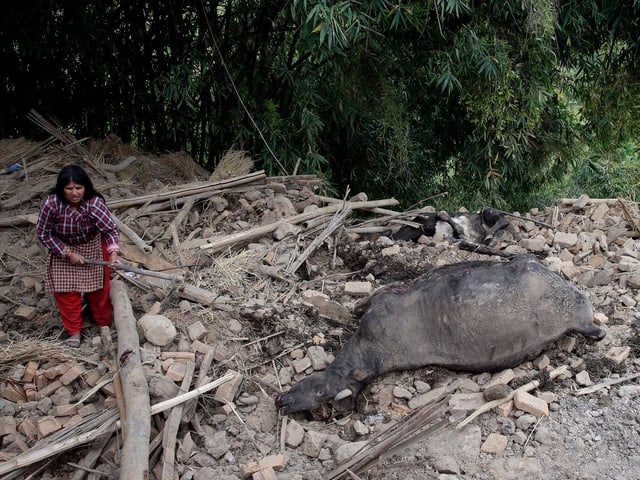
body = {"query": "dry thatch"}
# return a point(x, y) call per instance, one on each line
point(234, 163)
point(20, 349)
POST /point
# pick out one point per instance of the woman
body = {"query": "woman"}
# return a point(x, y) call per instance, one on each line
point(75, 225)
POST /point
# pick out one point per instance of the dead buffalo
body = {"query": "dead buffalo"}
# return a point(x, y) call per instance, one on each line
point(473, 317)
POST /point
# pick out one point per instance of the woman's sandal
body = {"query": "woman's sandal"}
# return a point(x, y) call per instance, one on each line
point(73, 341)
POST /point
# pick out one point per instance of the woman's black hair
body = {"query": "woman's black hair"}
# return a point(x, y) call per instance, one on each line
point(75, 174)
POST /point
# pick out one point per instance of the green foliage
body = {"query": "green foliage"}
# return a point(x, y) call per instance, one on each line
point(603, 174)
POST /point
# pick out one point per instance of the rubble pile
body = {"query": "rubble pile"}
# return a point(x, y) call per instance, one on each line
point(251, 281)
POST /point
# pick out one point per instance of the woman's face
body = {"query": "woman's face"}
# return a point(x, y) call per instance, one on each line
point(73, 193)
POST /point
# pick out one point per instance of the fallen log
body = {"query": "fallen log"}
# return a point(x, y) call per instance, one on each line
point(134, 463)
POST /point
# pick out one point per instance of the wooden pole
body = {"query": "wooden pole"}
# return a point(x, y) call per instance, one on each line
point(134, 464)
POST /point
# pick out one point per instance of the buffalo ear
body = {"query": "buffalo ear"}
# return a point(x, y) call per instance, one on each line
point(360, 374)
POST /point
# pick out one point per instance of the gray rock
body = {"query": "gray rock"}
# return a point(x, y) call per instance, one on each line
point(158, 329)
point(494, 392)
point(313, 442)
point(525, 421)
point(217, 445)
point(294, 435)
point(347, 451)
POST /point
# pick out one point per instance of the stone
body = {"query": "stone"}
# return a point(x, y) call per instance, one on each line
point(158, 329)
point(548, 397)
point(64, 410)
point(265, 474)
point(466, 385)
point(196, 331)
point(421, 387)
point(628, 301)
point(294, 434)
point(227, 391)
point(426, 398)
point(528, 403)
point(313, 442)
point(542, 362)
point(504, 409)
point(26, 312)
point(318, 357)
point(500, 378)
point(330, 309)
point(47, 425)
point(161, 388)
point(389, 251)
point(494, 444)
point(347, 451)
point(565, 240)
point(7, 426)
point(495, 392)
point(583, 379)
point(523, 422)
point(567, 343)
point(176, 371)
point(618, 354)
point(537, 244)
point(400, 392)
point(285, 230)
point(72, 374)
point(466, 401)
point(235, 326)
point(360, 428)
point(218, 444)
point(301, 365)
point(30, 372)
point(270, 462)
point(13, 392)
point(357, 289)
point(600, 318)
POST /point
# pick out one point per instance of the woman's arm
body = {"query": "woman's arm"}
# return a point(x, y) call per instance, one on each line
point(105, 224)
point(44, 228)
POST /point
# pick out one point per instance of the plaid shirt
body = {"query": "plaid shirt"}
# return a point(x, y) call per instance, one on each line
point(61, 226)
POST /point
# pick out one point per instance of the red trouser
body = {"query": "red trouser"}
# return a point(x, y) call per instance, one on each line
point(70, 304)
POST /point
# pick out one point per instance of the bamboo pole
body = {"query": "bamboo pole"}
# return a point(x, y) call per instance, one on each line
point(200, 187)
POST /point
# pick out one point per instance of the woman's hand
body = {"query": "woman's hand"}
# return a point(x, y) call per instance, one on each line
point(75, 258)
point(113, 258)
